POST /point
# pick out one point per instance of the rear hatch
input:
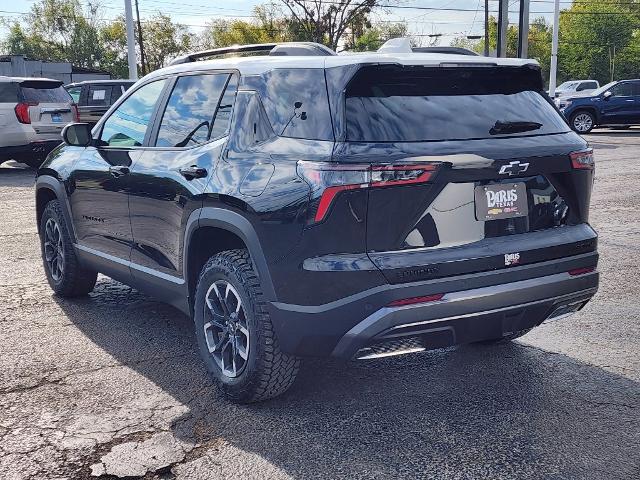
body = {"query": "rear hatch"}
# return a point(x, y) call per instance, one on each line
point(49, 105)
point(471, 168)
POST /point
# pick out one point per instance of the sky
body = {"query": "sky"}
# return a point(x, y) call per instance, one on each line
point(195, 13)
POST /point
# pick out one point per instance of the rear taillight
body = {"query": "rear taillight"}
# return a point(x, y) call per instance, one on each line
point(76, 115)
point(22, 112)
point(583, 160)
point(327, 179)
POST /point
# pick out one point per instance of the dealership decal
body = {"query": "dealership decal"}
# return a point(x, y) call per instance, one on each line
point(511, 259)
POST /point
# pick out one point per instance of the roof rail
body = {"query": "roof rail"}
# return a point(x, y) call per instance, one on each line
point(279, 49)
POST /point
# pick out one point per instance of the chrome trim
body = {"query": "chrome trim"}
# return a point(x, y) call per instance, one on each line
point(127, 263)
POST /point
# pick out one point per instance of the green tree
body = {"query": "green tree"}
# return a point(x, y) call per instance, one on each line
point(588, 39)
point(164, 40)
point(372, 38)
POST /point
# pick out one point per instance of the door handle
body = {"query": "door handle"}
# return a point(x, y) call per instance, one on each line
point(192, 172)
point(118, 170)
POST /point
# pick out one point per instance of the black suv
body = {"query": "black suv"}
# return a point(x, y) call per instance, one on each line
point(94, 97)
point(302, 203)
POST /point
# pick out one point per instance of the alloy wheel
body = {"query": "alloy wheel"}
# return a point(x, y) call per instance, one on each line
point(54, 249)
point(226, 331)
point(583, 122)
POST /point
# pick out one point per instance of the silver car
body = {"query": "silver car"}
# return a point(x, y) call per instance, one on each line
point(33, 112)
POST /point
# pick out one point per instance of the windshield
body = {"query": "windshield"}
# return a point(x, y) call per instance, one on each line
point(603, 88)
point(566, 85)
point(400, 104)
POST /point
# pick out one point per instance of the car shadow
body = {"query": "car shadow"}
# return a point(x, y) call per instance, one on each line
point(509, 411)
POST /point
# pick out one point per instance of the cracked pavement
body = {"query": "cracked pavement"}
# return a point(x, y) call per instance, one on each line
point(112, 385)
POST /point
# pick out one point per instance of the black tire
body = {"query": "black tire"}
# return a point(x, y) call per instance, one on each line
point(267, 371)
point(69, 278)
point(582, 121)
point(507, 338)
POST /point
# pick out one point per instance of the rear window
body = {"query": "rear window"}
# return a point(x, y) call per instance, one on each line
point(44, 92)
point(414, 104)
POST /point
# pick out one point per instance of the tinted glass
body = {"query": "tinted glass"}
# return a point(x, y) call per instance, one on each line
point(395, 104)
point(590, 85)
point(8, 92)
point(45, 94)
point(636, 88)
point(281, 89)
point(116, 92)
point(188, 118)
point(223, 115)
point(622, 89)
point(127, 125)
point(99, 95)
point(75, 93)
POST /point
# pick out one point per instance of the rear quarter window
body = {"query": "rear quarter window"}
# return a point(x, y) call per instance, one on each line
point(296, 102)
point(8, 92)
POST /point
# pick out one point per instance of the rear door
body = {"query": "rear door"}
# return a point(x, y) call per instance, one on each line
point(167, 180)
point(464, 160)
point(50, 107)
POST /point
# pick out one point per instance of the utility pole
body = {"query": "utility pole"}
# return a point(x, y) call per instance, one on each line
point(143, 67)
point(503, 24)
point(486, 28)
point(554, 50)
point(131, 43)
point(523, 30)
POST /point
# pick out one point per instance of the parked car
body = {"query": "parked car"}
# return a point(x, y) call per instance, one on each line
point(576, 86)
point(614, 104)
point(94, 97)
point(33, 112)
point(308, 204)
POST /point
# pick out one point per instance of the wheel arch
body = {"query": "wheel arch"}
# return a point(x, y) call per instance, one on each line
point(586, 108)
point(49, 188)
point(211, 230)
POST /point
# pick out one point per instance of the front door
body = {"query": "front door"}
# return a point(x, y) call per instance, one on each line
point(172, 173)
point(619, 108)
point(99, 197)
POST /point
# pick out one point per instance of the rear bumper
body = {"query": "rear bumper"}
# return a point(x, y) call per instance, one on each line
point(31, 150)
point(475, 307)
point(469, 315)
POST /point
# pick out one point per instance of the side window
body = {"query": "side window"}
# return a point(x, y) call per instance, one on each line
point(8, 92)
point(636, 89)
point(591, 85)
point(75, 93)
point(189, 116)
point(127, 125)
point(222, 119)
point(622, 89)
point(99, 95)
point(116, 93)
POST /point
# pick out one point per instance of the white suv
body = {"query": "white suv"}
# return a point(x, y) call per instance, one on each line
point(33, 112)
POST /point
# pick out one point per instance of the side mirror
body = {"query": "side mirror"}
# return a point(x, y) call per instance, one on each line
point(607, 95)
point(77, 135)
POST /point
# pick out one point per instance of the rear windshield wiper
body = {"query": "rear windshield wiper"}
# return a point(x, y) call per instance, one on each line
point(513, 127)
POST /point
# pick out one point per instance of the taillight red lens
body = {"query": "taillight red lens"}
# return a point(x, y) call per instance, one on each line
point(415, 300)
point(583, 160)
point(22, 112)
point(581, 271)
point(328, 179)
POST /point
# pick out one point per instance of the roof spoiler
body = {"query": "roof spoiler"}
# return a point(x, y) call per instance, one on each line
point(274, 49)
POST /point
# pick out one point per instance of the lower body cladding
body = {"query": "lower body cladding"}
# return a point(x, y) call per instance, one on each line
point(453, 316)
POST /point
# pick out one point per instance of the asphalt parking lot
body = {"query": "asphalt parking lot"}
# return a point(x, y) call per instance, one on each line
point(112, 384)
